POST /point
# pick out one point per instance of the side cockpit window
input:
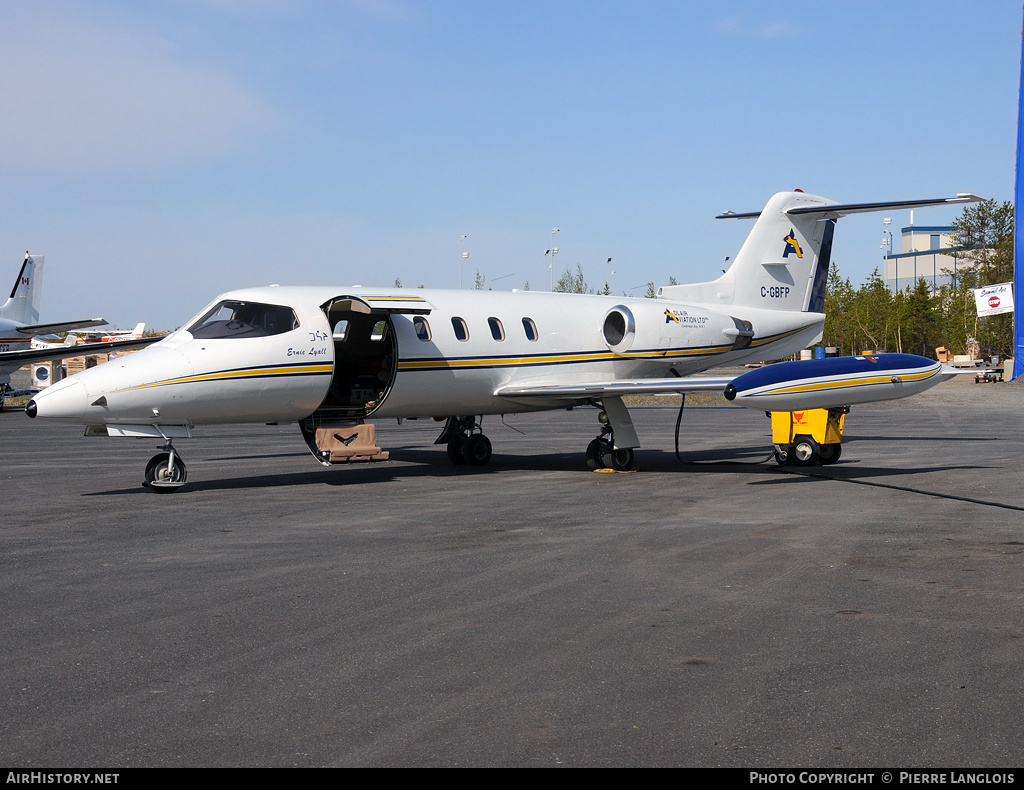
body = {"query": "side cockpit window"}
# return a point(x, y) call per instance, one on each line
point(237, 319)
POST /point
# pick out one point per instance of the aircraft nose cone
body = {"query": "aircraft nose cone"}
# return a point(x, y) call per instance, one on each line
point(63, 401)
point(730, 392)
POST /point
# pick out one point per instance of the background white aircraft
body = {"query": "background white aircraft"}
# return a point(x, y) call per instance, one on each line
point(331, 357)
point(17, 326)
point(105, 336)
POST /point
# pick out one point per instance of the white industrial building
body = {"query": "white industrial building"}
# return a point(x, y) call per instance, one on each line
point(926, 251)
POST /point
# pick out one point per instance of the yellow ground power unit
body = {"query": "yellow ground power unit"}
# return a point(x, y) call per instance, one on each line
point(812, 436)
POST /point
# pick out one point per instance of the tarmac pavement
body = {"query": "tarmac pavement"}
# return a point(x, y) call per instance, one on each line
point(721, 611)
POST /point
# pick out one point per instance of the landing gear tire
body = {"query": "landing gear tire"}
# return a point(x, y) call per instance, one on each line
point(805, 451)
point(161, 478)
point(829, 453)
point(783, 454)
point(476, 449)
point(595, 452)
point(620, 460)
point(455, 451)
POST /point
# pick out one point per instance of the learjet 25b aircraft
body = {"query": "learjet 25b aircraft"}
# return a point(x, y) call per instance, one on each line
point(332, 357)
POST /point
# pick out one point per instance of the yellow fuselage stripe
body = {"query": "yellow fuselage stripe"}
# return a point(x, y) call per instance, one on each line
point(237, 374)
point(823, 385)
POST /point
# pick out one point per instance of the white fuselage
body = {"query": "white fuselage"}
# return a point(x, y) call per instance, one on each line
point(569, 347)
point(450, 359)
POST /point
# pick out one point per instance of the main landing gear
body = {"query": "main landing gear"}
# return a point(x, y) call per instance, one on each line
point(466, 443)
point(612, 449)
point(165, 472)
point(602, 452)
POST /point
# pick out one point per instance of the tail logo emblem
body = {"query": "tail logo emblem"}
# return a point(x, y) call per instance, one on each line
point(792, 245)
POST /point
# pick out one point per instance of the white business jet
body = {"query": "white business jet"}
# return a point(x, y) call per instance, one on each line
point(17, 327)
point(332, 357)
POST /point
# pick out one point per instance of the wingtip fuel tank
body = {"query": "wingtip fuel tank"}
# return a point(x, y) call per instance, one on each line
point(839, 381)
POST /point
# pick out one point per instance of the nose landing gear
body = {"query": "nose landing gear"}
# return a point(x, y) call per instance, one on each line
point(165, 472)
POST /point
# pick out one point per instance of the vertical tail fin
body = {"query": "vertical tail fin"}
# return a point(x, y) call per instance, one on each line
point(783, 264)
point(23, 304)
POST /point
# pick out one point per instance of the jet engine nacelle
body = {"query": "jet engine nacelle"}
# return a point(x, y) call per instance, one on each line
point(671, 328)
point(839, 381)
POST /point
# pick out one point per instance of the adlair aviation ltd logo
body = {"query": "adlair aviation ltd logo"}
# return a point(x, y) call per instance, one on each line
point(683, 318)
point(792, 245)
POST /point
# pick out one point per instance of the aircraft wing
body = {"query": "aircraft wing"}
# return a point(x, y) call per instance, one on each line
point(618, 388)
point(63, 352)
point(64, 326)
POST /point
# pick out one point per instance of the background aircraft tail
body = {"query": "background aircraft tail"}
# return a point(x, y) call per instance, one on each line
point(23, 304)
point(783, 264)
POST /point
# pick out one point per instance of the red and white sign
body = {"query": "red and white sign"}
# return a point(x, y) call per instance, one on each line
point(994, 299)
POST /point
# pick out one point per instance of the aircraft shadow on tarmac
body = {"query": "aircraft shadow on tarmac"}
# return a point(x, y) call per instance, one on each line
point(297, 454)
point(734, 460)
point(405, 464)
point(852, 471)
point(418, 463)
point(944, 439)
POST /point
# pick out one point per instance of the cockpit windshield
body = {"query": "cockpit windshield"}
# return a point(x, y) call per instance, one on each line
point(235, 319)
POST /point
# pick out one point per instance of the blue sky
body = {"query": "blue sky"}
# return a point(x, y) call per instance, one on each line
point(160, 153)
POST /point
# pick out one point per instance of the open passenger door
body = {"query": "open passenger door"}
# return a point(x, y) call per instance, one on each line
point(365, 365)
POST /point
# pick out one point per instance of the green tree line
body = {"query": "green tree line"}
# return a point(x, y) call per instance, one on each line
point(918, 319)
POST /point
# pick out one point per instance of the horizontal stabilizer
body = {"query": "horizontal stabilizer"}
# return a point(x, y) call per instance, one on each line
point(836, 210)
